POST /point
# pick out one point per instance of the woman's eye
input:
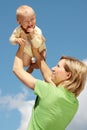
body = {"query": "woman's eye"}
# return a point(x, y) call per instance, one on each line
point(58, 65)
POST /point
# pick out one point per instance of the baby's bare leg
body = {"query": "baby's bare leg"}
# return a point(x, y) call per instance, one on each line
point(32, 67)
point(35, 65)
point(26, 60)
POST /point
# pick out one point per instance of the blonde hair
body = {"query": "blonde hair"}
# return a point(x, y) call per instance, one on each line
point(23, 10)
point(78, 70)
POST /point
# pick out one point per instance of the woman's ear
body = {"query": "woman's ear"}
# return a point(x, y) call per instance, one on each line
point(68, 75)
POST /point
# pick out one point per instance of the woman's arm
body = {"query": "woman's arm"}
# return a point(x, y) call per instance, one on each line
point(21, 74)
point(45, 70)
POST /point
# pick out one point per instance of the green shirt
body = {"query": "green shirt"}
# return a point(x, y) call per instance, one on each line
point(54, 107)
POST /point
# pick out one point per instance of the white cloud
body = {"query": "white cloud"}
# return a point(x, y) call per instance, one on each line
point(18, 102)
point(25, 110)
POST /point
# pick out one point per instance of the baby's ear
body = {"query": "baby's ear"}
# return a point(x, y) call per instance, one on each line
point(18, 21)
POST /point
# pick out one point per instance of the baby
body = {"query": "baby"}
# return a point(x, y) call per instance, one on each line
point(28, 31)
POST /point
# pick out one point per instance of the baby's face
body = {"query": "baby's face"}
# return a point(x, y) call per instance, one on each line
point(28, 22)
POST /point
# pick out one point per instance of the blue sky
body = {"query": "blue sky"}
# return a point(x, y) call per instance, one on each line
point(64, 25)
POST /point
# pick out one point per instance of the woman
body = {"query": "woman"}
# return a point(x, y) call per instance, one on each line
point(56, 102)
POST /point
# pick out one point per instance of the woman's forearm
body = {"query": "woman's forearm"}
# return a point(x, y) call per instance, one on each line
point(19, 71)
point(45, 70)
point(22, 75)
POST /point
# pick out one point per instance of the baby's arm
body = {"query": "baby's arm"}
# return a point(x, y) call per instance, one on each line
point(37, 39)
point(15, 38)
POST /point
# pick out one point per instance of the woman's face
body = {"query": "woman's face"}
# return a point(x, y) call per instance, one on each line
point(58, 73)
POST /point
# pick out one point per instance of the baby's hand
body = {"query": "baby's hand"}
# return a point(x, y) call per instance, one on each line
point(30, 30)
point(31, 34)
point(19, 40)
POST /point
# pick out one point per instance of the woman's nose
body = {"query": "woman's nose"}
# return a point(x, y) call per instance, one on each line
point(53, 68)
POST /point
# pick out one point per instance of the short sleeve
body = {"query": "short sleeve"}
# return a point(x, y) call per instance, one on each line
point(42, 88)
point(15, 34)
point(38, 30)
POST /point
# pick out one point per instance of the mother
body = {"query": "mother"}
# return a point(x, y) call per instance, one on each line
point(56, 102)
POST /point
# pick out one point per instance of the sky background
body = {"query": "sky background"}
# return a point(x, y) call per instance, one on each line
point(64, 25)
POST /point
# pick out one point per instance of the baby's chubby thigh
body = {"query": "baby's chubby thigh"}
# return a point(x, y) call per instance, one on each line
point(27, 55)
